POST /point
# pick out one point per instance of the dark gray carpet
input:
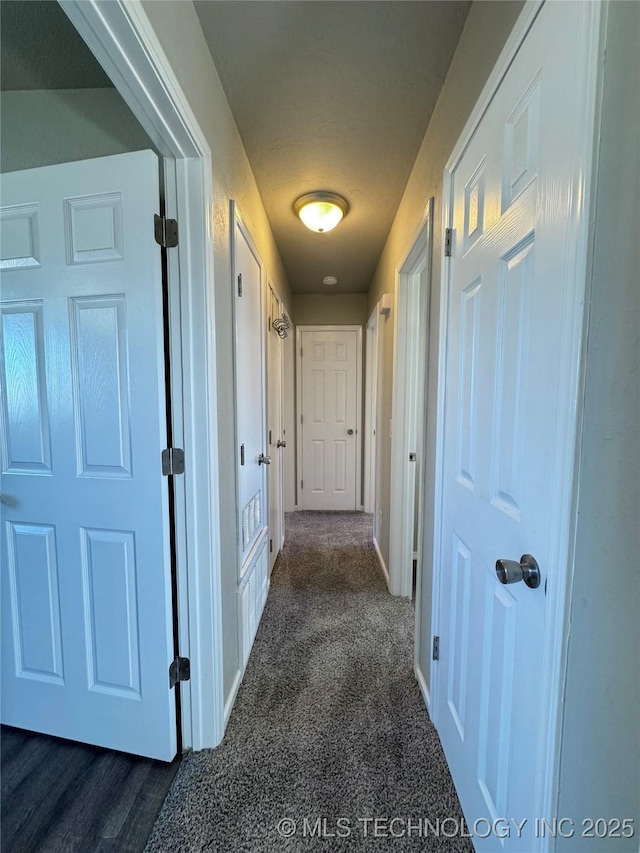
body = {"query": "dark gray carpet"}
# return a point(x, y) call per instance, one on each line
point(328, 723)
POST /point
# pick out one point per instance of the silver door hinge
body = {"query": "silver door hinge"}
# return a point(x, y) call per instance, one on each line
point(240, 284)
point(179, 670)
point(166, 231)
point(436, 648)
point(448, 234)
point(271, 546)
point(172, 461)
point(412, 457)
point(242, 454)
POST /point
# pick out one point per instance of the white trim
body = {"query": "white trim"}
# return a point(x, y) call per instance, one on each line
point(589, 63)
point(422, 684)
point(410, 355)
point(233, 694)
point(334, 328)
point(122, 39)
point(371, 411)
point(383, 565)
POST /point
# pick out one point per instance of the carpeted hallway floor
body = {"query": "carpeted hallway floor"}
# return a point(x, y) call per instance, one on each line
point(328, 724)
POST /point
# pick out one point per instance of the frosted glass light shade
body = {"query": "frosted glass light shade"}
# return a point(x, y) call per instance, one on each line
point(321, 211)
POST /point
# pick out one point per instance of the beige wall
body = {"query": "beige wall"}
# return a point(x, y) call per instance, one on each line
point(347, 309)
point(485, 33)
point(42, 128)
point(178, 29)
point(600, 757)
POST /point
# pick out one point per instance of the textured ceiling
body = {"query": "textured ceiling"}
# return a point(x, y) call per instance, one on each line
point(28, 30)
point(332, 95)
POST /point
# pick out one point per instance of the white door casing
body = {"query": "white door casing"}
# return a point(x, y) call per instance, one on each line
point(511, 324)
point(371, 412)
point(275, 426)
point(408, 413)
point(329, 414)
point(87, 615)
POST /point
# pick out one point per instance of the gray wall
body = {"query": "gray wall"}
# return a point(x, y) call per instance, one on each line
point(348, 309)
point(178, 29)
point(485, 33)
point(45, 127)
point(600, 757)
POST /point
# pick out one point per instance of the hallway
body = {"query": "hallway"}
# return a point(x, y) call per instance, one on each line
point(329, 722)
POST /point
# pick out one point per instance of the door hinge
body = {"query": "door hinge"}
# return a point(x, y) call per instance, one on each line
point(436, 648)
point(302, 484)
point(242, 454)
point(448, 233)
point(270, 442)
point(239, 284)
point(166, 231)
point(412, 457)
point(269, 323)
point(179, 670)
point(172, 461)
point(300, 418)
point(271, 546)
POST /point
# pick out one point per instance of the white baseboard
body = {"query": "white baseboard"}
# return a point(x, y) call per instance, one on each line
point(231, 698)
point(422, 684)
point(383, 566)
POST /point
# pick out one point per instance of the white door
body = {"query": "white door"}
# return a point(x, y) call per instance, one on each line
point(508, 400)
point(250, 396)
point(274, 420)
point(329, 409)
point(86, 579)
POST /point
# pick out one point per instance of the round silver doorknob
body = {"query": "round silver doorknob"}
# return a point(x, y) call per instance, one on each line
point(264, 460)
point(281, 443)
point(349, 432)
point(526, 570)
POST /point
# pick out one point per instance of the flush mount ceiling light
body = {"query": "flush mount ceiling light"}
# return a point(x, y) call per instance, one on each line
point(321, 211)
point(330, 280)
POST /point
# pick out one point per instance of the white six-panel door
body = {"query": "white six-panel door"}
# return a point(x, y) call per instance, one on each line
point(329, 405)
point(86, 587)
point(507, 394)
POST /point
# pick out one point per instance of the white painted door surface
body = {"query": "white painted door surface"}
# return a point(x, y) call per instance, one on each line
point(276, 448)
point(250, 394)
point(505, 400)
point(329, 409)
point(86, 585)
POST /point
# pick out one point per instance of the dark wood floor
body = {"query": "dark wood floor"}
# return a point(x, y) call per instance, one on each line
point(63, 796)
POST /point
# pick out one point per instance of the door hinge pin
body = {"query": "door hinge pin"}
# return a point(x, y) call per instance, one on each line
point(436, 648)
point(179, 670)
point(447, 242)
point(166, 231)
point(240, 284)
point(172, 461)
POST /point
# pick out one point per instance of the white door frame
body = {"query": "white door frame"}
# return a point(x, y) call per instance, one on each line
point(123, 41)
point(270, 284)
point(555, 640)
point(371, 411)
point(299, 331)
point(410, 354)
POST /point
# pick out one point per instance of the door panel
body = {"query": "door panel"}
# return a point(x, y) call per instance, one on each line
point(511, 205)
point(329, 403)
point(86, 581)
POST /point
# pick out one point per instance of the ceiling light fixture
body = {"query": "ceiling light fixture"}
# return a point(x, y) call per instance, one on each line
point(321, 211)
point(330, 280)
